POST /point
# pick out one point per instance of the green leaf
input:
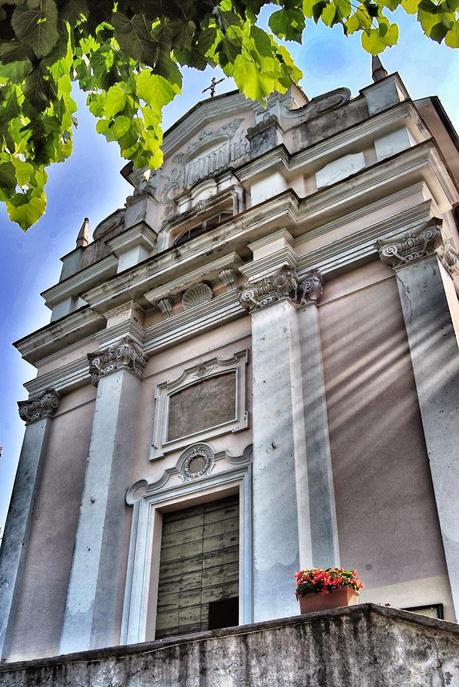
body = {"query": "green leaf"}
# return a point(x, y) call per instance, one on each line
point(134, 37)
point(14, 71)
point(375, 41)
point(438, 32)
point(155, 89)
point(410, 6)
point(121, 126)
point(25, 209)
point(7, 176)
point(452, 37)
point(328, 14)
point(37, 26)
point(288, 24)
point(115, 101)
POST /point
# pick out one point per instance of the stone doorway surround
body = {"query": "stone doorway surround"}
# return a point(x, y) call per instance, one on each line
point(177, 489)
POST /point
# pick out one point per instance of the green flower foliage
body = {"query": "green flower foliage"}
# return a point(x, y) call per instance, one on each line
point(127, 56)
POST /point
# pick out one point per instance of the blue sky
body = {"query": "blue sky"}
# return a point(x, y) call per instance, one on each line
point(89, 184)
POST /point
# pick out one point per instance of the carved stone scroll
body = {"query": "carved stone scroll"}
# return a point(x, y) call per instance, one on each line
point(281, 285)
point(411, 246)
point(125, 354)
point(311, 289)
point(39, 406)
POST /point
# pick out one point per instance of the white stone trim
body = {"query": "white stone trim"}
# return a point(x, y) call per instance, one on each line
point(80, 281)
point(148, 501)
point(324, 150)
point(160, 446)
point(225, 308)
point(139, 235)
point(208, 271)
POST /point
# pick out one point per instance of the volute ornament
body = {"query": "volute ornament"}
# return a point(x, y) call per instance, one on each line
point(39, 406)
point(311, 289)
point(449, 257)
point(125, 354)
point(281, 285)
point(409, 247)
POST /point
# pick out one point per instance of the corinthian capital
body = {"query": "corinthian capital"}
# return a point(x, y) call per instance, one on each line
point(279, 286)
point(408, 247)
point(39, 406)
point(122, 355)
point(283, 285)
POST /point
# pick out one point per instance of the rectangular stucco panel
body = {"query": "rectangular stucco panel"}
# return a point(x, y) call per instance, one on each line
point(392, 534)
point(37, 627)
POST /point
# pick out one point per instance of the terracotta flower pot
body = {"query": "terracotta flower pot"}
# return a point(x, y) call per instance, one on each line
point(322, 602)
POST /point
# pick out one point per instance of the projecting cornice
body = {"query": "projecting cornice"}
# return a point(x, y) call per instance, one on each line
point(84, 279)
point(57, 335)
point(319, 212)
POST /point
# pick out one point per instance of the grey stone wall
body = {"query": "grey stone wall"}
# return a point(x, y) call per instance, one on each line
point(361, 646)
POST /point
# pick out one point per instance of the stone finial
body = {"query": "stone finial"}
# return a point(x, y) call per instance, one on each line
point(279, 286)
point(311, 288)
point(408, 247)
point(39, 406)
point(378, 72)
point(122, 355)
point(83, 235)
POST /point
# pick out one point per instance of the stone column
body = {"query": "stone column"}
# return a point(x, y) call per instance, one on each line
point(37, 412)
point(92, 595)
point(281, 522)
point(435, 359)
point(324, 531)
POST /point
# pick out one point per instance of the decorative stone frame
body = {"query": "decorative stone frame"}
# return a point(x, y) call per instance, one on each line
point(160, 445)
point(149, 501)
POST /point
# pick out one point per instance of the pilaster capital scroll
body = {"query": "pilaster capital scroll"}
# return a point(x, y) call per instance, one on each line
point(311, 288)
point(122, 355)
point(39, 406)
point(406, 248)
point(449, 257)
point(283, 284)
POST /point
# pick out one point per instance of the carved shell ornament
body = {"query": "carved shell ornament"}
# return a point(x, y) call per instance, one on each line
point(196, 294)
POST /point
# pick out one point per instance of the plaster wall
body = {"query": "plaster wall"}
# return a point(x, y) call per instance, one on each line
point(57, 360)
point(41, 599)
point(168, 365)
point(392, 535)
point(330, 123)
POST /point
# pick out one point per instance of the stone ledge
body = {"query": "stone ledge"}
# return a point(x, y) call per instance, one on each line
point(364, 645)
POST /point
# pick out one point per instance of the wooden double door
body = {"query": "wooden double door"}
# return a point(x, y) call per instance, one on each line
point(199, 569)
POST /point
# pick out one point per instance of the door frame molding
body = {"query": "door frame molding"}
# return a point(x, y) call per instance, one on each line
point(139, 611)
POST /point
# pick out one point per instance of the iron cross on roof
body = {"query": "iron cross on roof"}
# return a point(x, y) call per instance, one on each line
point(213, 84)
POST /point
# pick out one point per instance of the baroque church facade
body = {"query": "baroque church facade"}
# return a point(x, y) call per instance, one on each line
point(250, 368)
